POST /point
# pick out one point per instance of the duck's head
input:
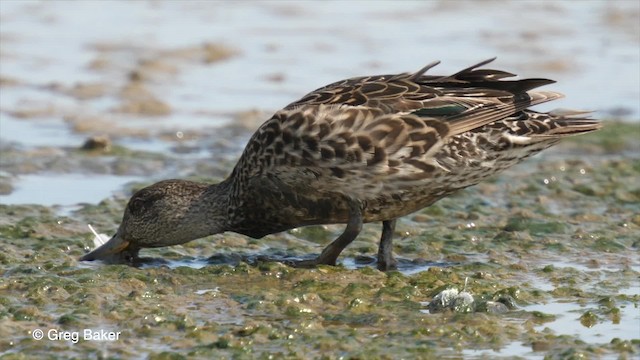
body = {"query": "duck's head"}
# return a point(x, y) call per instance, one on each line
point(169, 212)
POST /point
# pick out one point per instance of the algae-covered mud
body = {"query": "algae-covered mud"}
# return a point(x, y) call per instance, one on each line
point(553, 240)
point(539, 262)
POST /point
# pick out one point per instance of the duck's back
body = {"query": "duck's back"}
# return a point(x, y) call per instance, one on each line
point(395, 143)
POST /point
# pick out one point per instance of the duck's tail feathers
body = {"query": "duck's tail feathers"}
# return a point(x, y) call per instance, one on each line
point(569, 122)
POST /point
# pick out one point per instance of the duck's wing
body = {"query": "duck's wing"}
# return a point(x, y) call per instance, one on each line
point(360, 134)
point(466, 100)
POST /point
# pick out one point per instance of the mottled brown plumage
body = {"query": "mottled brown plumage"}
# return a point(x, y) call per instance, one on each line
point(360, 150)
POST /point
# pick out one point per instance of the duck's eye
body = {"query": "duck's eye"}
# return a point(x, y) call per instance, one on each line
point(136, 206)
point(143, 201)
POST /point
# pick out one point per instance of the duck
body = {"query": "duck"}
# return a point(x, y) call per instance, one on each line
point(361, 150)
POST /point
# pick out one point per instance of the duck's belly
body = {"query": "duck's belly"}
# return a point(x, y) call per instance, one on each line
point(275, 208)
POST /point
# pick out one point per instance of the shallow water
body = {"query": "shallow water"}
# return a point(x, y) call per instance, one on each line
point(43, 189)
point(179, 95)
point(568, 322)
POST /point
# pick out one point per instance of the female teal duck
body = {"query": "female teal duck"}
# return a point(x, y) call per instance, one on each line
point(360, 150)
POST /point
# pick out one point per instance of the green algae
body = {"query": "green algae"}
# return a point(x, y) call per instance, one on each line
point(517, 240)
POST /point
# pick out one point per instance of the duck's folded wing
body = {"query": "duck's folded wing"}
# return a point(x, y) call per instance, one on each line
point(432, 95)
point(383, 127)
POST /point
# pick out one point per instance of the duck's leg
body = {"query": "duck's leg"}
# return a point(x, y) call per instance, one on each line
point(385, 251)
point(330, 253)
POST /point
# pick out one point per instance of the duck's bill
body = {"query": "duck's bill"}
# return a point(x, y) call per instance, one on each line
point(114, 251)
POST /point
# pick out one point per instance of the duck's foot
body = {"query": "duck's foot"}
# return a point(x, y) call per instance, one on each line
point(387, 264)
point(325, 258)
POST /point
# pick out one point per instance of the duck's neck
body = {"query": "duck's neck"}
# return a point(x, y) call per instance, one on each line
point(202, 209)
point(214, 206)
